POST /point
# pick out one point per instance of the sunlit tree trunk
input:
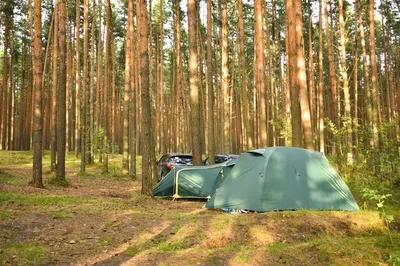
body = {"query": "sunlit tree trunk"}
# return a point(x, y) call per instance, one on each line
point(311, 89)
point(243, 80)
point(366, 99)
point(37, 74)
point(106, 88)
point(210, 88)
point(375, 96)
point(332, 70)
point(259, 79)
point(347, 109)
point(194, 89)
point(321, 81)
point(128, 51)
point(225, 79)
point(92, 87)
point(291, 72)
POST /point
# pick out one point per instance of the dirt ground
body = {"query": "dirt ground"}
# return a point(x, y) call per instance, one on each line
point(103, 220)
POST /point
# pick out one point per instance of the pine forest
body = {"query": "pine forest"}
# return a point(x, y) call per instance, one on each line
point(115, 84)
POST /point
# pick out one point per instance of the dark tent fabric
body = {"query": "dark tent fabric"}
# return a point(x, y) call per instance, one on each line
point(192, 181)
point(282, 178)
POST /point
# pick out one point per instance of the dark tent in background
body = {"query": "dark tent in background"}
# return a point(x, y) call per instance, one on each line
point(193, 181)
point(282, 178)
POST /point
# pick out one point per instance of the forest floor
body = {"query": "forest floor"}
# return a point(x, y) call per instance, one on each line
point(103, 220)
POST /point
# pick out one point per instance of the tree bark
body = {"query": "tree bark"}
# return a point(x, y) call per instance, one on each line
point(61, 93)
point(53, 115)
point(127, 89)
point(210, 88)
point(38, 123)
point(259, 79)
point(147, 160)
point(194, 89)
point(347, 109)
point(321, 81)
point(78, 92)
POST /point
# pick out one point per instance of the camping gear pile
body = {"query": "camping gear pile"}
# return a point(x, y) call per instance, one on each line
point(276, 178)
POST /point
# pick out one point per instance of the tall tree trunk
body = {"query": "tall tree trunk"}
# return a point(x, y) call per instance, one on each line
point(78, 80)
point(321, 81)
point(132, 107)
point(302, 82)
point(92, 87)
point(4, 94)
point(366, 91)
point(99, 73)
point(332, 70)
point(106, 88)
point(159, 83)
point(194, 89)
point(147, 160)
point(243, 80)
point(85, 89)
point(259, 85)
point(311, 89)
point(127, 89)
point(61, 94)
point(38, 123)
point(11, 94)
point(53, 115)
point(292, 82)
point(347, 109)
point(225, 79)
point(375, 96)
point(210, 88)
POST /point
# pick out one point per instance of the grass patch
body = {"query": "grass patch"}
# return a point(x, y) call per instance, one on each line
point(6, 214)
point(58, 182)
point(108, 242)
point(24, 254)
point(276, 246)
point(7, 178)
point(175, 245)
point(355, 250)
point(132, 251)
point(85, 174)
point(15, 157)
point(60, 215)
point(45, 200)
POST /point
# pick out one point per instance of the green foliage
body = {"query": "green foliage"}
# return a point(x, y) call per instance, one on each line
point(379, 200)
point(99, 145)
point(394, 258)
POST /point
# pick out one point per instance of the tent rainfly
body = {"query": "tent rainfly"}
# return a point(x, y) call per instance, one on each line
point(193, 181)
point(283, 178)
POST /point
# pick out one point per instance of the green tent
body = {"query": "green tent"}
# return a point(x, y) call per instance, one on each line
point(193, 181)
point(283, 178)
